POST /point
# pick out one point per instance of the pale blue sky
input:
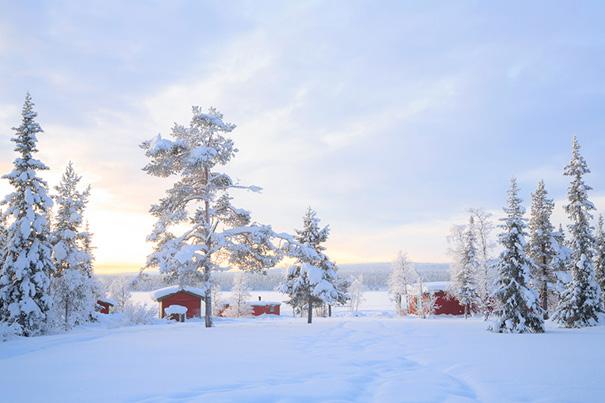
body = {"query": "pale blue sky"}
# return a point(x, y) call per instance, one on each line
point(389, 118)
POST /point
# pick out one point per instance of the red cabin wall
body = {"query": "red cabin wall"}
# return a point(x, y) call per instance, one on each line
point(445, 304)
point(191, 301)
point(258, 310)
point(104, 307)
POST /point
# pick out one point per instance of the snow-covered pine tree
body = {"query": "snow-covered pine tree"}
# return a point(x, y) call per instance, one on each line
point(26, 258)
point(465, 284)
point(197, 225)
point(518, 310)
point(399, 280)
point(240, 293)
point(540, 247)
point(485, 244)
point(311, 281)
point(580, 303)
point(600, 255)
point(73, 286)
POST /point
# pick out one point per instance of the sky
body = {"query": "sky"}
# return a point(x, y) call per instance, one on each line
point(390, 119)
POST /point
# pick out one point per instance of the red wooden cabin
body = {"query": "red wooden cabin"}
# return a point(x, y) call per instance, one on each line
point(189, 297)
point(437, 295)
point(104, 305)
point(265, 308)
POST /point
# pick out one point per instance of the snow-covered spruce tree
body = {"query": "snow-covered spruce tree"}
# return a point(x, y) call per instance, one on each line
point(518, 310)
point(541, 245)
point(465, 284)
point(600, 255)
point(73, 286)
point(580, 303)
point(399, 280)
point(197, 227)
point(311, 281)
point(485, 244)
point(26, 258)
point(240, 293)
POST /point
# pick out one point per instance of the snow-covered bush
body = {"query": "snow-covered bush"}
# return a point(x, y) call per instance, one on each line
point(356, 293)
point(8, 331)
point(138, 314)
point(239, 296)
point(399, 279)
point(232, 311)
point(119, 290)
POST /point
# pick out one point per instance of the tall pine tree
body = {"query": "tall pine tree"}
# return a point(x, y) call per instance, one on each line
point(517, 309)
point(541, 244)
point(580, 303)
point(198, 227)
point(26, 258)
point(312, 281)
point(465, 284)
point(74, 287)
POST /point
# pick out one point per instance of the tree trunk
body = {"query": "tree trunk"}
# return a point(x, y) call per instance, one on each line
point(208, 310)
point(330, 311)
point(545, 299)
point(398, 304)
point(309, 310)
point(544, 288)
point(66, 314)
point(465, 311)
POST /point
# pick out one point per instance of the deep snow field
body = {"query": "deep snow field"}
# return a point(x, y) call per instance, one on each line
point(371, 358)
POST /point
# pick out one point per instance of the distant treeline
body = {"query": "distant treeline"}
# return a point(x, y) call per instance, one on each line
point(375, 276)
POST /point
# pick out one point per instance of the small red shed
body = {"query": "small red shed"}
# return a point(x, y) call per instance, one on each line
point(189, 297)
point(104, 305)
point(265, 308)
point(436, 298)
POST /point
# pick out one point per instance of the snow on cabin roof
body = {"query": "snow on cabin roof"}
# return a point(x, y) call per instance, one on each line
point(173, 289)
point(432, 286)
point(107, 300)
point(262, 303)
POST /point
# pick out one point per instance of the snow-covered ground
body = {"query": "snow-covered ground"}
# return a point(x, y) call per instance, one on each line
point(374, 357)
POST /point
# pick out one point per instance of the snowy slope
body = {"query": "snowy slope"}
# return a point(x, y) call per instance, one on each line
point(285, 360)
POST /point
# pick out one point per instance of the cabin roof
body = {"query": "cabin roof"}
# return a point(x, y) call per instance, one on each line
point(432, 286)
point(166, 291)
point(107, 300)
point(262, 303)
